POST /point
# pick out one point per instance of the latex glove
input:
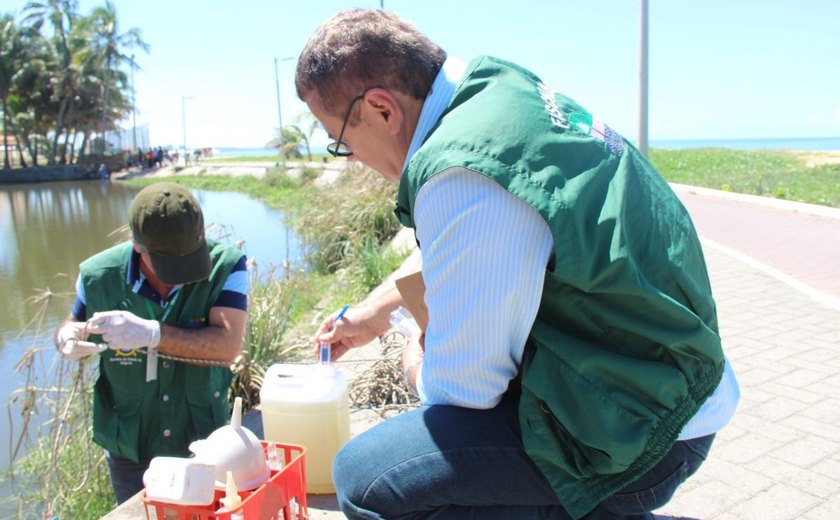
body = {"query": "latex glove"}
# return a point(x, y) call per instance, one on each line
point(71, 343)
point(124, 330)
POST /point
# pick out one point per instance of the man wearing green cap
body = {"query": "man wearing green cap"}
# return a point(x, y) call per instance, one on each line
point(167, 313)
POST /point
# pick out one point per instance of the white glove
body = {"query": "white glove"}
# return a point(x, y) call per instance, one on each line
point(124, 330)
point(71, 344)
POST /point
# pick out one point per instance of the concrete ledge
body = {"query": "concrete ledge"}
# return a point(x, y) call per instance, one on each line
point(801, 207)
point(44, 174)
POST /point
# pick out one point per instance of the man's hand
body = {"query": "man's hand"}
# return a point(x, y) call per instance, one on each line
point(412, 358)
point(124, 330)
point(357, 327)
point(70, 341)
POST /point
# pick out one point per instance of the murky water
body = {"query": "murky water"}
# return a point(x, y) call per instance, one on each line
point(47, 229)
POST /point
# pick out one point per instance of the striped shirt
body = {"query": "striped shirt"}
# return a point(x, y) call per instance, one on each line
point(234, 292)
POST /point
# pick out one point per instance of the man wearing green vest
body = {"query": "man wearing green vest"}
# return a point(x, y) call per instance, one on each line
point(166, 312)
point(571, 366)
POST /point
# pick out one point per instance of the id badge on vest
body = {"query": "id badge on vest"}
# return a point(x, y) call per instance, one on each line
point(152, 353)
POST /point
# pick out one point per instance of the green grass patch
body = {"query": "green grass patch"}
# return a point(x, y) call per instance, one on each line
point(276, 189)
point(777, 174)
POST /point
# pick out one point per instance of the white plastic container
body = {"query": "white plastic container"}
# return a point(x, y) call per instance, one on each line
point(176, 480)
point(307, 405)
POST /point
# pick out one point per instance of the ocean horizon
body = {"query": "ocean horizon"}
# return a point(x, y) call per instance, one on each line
point(789, 143)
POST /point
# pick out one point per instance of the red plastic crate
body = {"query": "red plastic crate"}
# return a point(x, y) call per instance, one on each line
point(283, 495)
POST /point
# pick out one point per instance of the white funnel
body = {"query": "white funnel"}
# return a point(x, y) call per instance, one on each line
point(236, 415)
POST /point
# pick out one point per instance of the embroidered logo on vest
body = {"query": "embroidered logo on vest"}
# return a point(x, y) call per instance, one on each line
point(582, 122)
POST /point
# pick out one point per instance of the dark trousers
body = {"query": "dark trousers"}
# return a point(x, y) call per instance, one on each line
point(126, 476)
point(445, 462)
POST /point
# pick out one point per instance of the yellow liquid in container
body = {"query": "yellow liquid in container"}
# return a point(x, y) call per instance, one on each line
point(307, 405)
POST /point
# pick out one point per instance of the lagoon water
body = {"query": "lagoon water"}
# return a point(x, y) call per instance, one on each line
point(47, 229)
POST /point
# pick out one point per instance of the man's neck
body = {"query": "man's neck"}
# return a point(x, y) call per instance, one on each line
point(161, 288)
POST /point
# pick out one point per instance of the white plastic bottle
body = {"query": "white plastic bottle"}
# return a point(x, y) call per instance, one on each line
point(231, 500)
point(403, 322)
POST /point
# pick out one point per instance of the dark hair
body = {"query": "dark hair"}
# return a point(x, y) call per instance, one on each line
point(358, 49)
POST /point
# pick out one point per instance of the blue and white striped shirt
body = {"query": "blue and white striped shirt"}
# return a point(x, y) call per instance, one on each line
point(234, 292)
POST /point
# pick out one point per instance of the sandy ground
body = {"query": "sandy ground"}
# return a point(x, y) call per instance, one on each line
point(330, 171)
point(817, 158)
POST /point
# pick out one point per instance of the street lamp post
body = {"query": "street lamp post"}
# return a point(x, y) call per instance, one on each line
point(277, 87)
point(184, 119)
point(643, 79)
point(133, 109)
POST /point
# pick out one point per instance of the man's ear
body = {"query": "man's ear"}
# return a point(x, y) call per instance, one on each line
point(387, 107)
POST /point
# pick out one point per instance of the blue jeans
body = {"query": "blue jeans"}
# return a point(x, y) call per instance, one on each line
point(449, 462)
point(126, 476)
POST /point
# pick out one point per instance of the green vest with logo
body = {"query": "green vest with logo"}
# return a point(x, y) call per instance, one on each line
point(139, 420)
point(625, 346)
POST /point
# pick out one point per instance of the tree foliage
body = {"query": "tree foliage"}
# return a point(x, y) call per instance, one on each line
point(62, 78)
point(292, 138)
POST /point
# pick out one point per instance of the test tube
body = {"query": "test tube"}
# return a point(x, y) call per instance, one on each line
point(324, 354)
point(324, 348)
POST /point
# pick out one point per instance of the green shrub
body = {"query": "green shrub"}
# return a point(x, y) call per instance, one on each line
point(358, 207)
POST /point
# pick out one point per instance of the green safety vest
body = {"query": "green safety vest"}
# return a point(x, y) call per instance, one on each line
point(139, 420)
point(625, 347)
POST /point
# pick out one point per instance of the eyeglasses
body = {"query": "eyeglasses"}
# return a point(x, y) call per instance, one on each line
point(339, 148)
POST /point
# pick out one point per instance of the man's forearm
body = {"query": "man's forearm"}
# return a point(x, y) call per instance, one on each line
point(220, 341)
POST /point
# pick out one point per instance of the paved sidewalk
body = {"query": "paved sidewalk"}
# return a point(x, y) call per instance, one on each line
point(779, 458)
point(774, 269)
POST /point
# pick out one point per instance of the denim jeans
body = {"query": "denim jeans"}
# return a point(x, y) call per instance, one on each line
point(449, 462)
point(126, 476)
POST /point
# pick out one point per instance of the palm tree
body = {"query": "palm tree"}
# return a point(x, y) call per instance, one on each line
point(310, 123)
point(67, 71)
point(86, 54)
point(288, 141)
point(108, 47)
point(293, 138)
point(31, 103)
point(11, 52)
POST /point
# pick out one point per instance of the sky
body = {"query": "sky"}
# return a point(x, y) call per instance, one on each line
point(718, 69)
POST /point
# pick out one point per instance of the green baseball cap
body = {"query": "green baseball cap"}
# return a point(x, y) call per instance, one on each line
point(166, 220)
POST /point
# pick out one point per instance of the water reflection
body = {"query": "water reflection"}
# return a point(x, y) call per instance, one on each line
point(47, 229)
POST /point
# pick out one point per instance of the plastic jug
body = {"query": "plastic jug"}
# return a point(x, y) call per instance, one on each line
point(307, 405)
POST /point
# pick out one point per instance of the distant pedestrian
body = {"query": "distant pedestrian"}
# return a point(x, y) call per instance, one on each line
point(103, 172)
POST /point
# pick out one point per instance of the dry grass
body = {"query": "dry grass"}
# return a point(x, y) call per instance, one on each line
point(381, 386)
